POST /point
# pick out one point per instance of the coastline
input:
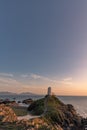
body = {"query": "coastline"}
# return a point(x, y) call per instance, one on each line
point(79, 102)
point(68, 110)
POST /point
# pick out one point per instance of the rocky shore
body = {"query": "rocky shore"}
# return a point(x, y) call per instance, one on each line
point(52, 115)
point(7, 114)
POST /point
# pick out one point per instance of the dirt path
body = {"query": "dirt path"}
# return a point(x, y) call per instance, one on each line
point(27, 117)
point(31, 116)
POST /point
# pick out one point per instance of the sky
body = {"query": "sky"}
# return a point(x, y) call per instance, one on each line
point(43, 43)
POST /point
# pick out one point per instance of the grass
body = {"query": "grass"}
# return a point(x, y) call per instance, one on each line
point(10, 126)
point(37, 107)
point(43, 127)
point(20, 111)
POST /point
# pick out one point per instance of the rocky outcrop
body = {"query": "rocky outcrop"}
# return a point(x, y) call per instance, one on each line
point(7, 114)
point(8, 102)
point(38, 124)
point(27, 101)
point(34, 124)
point(53, 115)
point(57, 113)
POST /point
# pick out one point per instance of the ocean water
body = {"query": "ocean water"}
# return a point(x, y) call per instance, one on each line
point(79, 102)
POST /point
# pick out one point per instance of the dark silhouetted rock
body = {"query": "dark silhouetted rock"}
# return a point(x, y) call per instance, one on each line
point(27, 101)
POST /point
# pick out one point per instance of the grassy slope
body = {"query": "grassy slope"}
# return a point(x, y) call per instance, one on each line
point(55, 110)
point(20, 111)
point(37, 107)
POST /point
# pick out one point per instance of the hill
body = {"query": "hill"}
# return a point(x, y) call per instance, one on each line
point(7, 93)
point(27, 93)
point(56, 112)
point(52, 115)
point(11, 93)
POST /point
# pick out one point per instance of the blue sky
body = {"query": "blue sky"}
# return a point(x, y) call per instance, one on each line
point(46, 39)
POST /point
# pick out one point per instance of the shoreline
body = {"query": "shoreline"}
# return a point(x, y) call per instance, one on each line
point(80, 107)
point(65, 115)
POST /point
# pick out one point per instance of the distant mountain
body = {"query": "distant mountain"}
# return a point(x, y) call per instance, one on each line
point(27, 93)
point(11, 93)
point(7, 93)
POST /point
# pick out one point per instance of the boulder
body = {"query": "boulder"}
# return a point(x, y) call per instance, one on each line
point(7, 114)
point(27, 101)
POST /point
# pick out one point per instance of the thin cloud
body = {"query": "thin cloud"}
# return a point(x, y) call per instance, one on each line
point(6, 74)
point(29, 82)
point(35, 76)
point(68, 79)
point(8, 80)
point(24, 75)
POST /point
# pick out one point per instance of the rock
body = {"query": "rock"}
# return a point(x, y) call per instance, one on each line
point(56, 112)
point(7, 114)
point(19, 101)
point(27, 101)
point(8, 102)
point(57, 116)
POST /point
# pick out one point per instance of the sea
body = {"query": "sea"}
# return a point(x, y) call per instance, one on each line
point(79, 102)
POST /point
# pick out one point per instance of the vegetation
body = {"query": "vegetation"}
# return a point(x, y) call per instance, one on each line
point(37, 107)
point(10, 126)
point(54, 115)
point(54, 111)
point(20, 111)
point(43, 127)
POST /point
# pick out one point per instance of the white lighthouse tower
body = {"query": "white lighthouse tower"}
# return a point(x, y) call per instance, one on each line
point(49, 91)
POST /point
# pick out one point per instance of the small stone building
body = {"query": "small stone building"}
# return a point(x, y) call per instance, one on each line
point(49, 91)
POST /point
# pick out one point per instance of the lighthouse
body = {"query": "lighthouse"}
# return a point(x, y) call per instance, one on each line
point(49, 91)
